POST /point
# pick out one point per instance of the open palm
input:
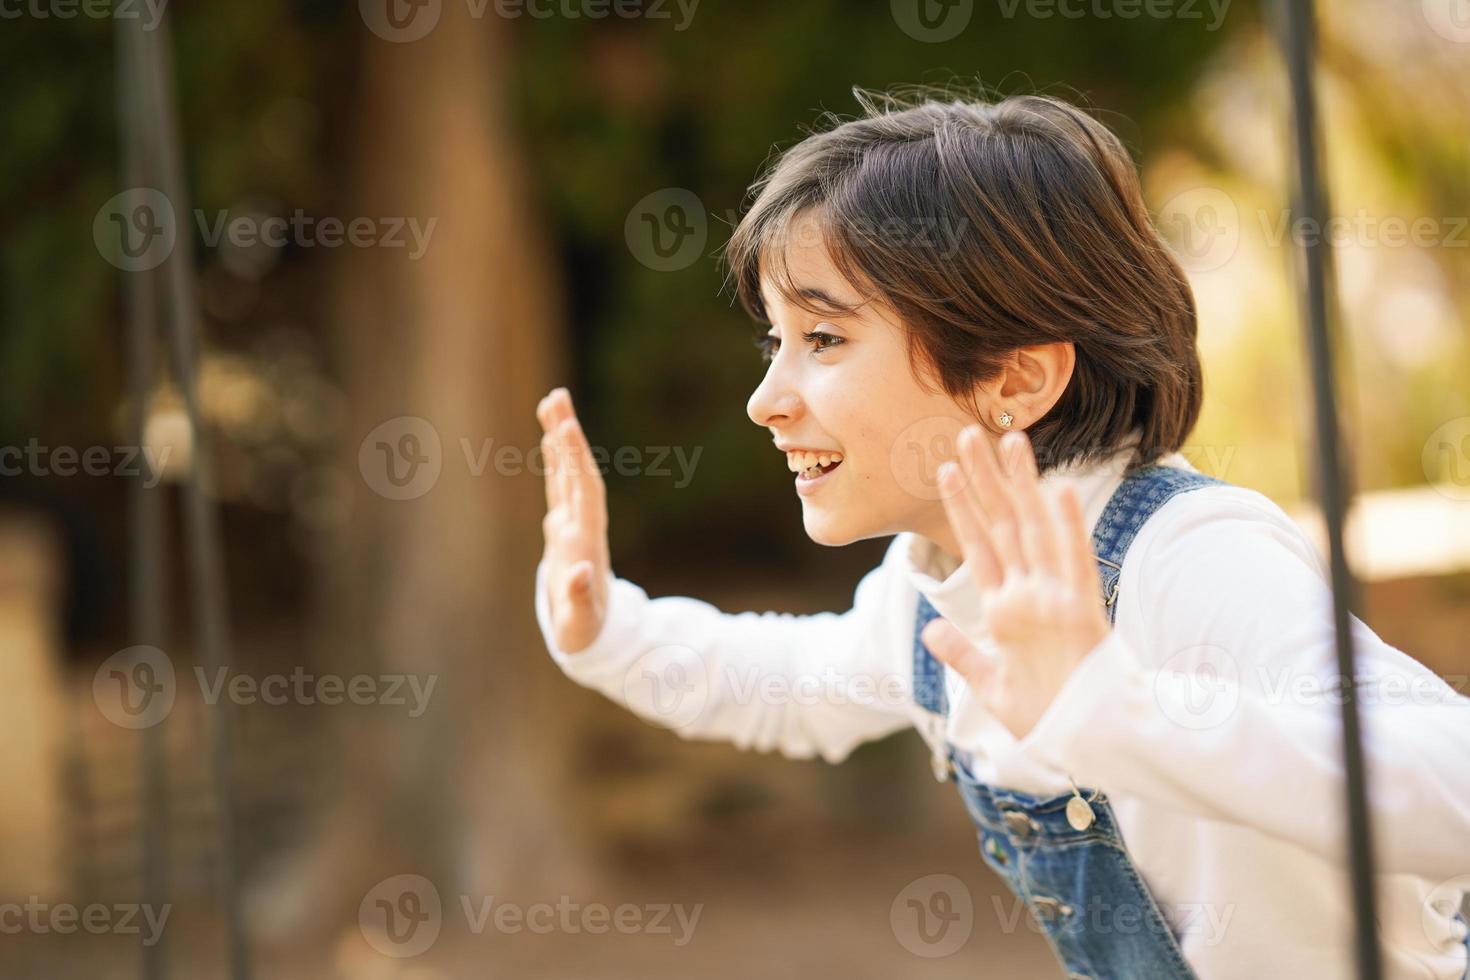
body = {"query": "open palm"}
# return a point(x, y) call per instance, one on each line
point(575, 526)
point(1032, 561)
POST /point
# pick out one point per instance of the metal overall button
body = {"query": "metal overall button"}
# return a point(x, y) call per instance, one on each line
point(993, 848)
point(1020, 824)
point(1051, 909)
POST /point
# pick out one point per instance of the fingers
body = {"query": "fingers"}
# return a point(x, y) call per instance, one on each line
point(1038, 533)
point(1002, 516)
point(578, 586)
point(968, 523)
point(548, 462)
point(552, 409)
point(550, 412)
point(952, 647)
point(573, 479)
point(586, 491)
point(992, 497)
point(1082, 565)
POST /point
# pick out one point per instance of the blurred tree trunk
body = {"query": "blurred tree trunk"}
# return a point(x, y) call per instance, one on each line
point(32, 821)
point(441, 584)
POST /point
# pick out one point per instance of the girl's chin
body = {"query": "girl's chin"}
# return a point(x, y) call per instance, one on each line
point(826, 529)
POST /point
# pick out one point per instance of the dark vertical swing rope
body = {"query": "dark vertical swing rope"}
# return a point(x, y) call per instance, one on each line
point(157, 135)
point(1295, 24)
point(145, 514)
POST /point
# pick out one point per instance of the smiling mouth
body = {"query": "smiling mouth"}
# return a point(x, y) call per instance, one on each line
point(812, 472)
point(811, 464)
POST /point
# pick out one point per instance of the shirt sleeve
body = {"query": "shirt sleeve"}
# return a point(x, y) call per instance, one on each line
point(801, 685)
point(1218, 694)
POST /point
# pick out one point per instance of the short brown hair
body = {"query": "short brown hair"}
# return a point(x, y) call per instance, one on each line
point(987, 227)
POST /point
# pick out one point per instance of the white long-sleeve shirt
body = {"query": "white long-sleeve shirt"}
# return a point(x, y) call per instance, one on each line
point(1208, 715)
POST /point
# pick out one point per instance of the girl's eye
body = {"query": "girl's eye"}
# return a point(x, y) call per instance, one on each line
point(826, 341)
point(769, 344)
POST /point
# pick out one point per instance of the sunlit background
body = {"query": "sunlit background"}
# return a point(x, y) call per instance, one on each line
point(539, 192)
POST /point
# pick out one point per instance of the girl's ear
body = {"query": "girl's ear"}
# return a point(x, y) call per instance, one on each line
point(1032, 381)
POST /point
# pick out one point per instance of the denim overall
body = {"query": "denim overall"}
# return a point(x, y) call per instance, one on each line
point(1063, 855)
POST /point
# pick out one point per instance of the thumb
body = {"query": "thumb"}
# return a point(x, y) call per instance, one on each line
point(579, 582)
point(576, 586)
point(952, 647)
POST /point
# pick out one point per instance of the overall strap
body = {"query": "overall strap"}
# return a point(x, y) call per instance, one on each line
point(1137, 498)
point(928, 672)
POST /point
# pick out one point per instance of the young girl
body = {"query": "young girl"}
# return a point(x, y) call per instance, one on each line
point(1126, 666)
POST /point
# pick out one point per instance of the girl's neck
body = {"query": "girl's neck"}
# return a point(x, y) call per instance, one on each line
point(945, 553)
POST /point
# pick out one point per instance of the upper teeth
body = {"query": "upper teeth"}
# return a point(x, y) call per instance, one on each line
point(801, 460)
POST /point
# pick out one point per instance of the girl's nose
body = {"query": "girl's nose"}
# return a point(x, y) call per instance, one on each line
point(774, 402)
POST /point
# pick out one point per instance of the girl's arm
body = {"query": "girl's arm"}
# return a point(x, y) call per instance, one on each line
point(801, 685)
point(804, 685)
point(1217, 694)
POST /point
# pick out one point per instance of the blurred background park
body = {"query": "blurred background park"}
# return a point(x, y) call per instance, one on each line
point(408, 221)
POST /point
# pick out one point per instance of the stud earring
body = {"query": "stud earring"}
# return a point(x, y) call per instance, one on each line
point(1005, 419)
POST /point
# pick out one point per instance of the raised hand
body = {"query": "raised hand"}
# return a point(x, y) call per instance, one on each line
point(575, 526)
point(1032, 561)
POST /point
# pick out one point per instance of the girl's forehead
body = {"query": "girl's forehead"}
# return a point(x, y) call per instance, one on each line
point(805, 276)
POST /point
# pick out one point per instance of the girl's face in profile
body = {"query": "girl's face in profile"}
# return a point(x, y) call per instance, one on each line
point(843, 384)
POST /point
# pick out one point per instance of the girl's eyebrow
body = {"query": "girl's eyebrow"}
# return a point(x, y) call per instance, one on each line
point(823, 297)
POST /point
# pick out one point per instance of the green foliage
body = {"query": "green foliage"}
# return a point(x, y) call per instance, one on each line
point(610, 110)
